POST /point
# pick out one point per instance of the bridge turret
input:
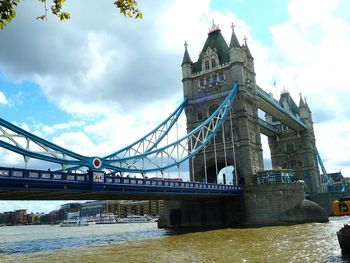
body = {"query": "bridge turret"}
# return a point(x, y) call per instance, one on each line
point(250, 59)
point(187, 67)
point(218, 67)
point(305, 113)
point(186, 64)
point(236, 53)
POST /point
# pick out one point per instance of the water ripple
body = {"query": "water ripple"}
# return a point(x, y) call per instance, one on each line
point(40, 245)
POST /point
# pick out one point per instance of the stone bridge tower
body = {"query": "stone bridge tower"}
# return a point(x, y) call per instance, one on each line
point(296, 150)
point(206, 83)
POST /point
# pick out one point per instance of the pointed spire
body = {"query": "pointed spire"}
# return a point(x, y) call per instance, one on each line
point(234, 41)
point(245, 45)
point(306, 105)
point(301, 101)
point(186, 59)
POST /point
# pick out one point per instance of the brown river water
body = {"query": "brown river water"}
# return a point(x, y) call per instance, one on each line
point(146, 243)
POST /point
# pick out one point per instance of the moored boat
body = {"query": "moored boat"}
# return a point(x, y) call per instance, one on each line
point(137, 219)
point(107, 218)
point(74, 222)
point(344, 238)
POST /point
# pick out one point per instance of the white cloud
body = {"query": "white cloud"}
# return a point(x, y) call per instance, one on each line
point(45, 130)
point(3, 99)
point(124, 77)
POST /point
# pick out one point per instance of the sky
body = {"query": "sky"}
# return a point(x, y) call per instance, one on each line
point(99, 81)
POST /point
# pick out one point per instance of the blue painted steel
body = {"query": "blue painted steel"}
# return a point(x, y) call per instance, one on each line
point(99, 182)
point(176, 113)
point(206, 130)
point(323, 168)
point(41, 141)
point(84, 160)
point(226, 103)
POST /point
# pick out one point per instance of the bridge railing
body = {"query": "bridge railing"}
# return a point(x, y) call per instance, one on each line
point(167, 183)
point(42, 175)
point(99, 178)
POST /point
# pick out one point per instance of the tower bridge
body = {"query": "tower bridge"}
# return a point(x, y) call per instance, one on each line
point(221, 103)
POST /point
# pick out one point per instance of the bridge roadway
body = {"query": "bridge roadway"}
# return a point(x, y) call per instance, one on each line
point(23, 184)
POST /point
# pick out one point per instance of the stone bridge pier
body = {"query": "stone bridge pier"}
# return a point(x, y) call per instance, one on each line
point(261, 205)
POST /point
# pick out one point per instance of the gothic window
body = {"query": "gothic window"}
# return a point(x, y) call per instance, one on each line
point(201, 82)
point(221, 76)
point(213, 63)
point(290, 147)
point(199, 116)
point(207, 64)
point(214, 78)
point(300, 164)
point(292, 164)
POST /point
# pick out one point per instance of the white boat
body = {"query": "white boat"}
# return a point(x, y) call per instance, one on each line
point(74, 222)
point(107, 218)
point(91, 221)
point(136, 219)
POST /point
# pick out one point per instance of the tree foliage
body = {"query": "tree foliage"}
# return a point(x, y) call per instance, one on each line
point(7, 10)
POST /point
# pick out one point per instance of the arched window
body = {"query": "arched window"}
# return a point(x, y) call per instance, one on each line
point(213, 63)
point(207, 64)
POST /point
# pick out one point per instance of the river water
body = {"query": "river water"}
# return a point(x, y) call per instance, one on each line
point(146, 243)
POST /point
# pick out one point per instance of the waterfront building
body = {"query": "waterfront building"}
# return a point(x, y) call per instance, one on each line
point(122, 208)
point(93, 208)
point(70, 210)
point(147, 207)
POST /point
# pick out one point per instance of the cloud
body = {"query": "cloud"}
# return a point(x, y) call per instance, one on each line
point(88, 68)
point(3, 99)
point(121, 77)
point(332, 139)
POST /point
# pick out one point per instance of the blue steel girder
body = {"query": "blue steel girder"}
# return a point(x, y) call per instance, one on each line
point(179, 151)
point(150, 141)
point(29, 145)
point(151, 158)
point(273, 108)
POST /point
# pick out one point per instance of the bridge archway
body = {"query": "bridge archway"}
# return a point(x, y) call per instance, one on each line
point(214, 177)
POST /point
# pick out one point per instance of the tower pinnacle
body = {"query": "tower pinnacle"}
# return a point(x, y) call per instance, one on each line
point(234, 41)
point(214, 27)
point(186, 59)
